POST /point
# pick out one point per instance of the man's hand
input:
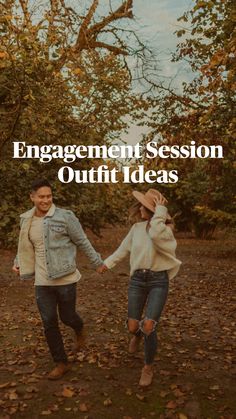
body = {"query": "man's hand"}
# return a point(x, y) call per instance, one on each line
point(101, 269)
point(16, 270)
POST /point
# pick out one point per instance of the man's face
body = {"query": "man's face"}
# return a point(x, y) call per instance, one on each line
point(42, 200)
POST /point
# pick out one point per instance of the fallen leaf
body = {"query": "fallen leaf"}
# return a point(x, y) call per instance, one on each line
point(171, 404)
point(165, 373)
point(13, 395)
point(12, 362)
point(80, 356)
point(215, 387)
point(33, 380)
point(107, 402)
point(83, 392)
point(129, 392)
point(178, 393)
point(4, 385)
point(140, 397)
point(67, 392)
point(32, 389)
point(83, 407)
point(164, 393)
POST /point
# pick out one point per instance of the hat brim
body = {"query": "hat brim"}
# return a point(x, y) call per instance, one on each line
point(141, 198)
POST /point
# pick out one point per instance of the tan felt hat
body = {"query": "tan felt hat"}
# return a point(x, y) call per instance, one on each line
point(148, 199)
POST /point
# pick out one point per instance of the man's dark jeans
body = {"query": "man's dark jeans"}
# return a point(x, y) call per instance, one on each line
point(61, 298)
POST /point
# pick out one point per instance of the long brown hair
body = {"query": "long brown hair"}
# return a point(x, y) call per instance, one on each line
point(135, 214)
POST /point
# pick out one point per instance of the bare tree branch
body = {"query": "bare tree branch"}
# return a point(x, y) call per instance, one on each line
point(24, 6)
point(87, 36)
point(186, 101)
point(112, 48)
point(124, 11)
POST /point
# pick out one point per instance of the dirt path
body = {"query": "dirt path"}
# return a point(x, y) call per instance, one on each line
point(194, 366)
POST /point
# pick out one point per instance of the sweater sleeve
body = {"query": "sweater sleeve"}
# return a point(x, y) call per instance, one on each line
point(122, 251)
point(160, 233)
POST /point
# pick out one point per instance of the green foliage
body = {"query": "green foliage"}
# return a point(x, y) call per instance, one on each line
point(94, 206)
point(206, 221)
point(205, 113)
point(59, 84)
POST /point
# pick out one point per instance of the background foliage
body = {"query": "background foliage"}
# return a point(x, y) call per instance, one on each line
point(59, 84)
point(204, 197)
point(64, 80)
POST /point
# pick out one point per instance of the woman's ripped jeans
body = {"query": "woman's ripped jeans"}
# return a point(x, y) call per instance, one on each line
point(148, 287)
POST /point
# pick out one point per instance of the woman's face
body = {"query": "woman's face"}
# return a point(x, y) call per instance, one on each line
point(145, 215)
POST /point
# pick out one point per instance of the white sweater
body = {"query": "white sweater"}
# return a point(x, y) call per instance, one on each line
point(150, 248)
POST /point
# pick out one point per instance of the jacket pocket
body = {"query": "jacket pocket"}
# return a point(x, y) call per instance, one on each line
point(57, 228)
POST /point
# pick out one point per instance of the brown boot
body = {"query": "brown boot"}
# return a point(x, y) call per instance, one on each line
point(79, 341)
point(146, 376)
point(134, 344)
point(58, 372)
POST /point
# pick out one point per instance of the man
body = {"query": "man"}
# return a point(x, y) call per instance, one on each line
point(47, 248)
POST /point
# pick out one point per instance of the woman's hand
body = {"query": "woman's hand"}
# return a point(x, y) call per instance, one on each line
point(101, 269)
point(161, 200)
point(16, 269)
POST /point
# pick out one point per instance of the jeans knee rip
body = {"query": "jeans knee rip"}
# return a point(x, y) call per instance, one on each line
point(154, 325)
point(138, 324)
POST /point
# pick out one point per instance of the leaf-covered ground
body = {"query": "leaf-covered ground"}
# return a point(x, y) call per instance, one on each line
point(194, 370)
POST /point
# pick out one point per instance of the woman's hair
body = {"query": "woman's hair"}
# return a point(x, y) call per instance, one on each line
point(135, 214)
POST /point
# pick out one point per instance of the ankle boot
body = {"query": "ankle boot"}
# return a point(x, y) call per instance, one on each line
point(60, 369)
point(146, 377)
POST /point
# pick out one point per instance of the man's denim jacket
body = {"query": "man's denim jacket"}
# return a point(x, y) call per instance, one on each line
point(62, 233)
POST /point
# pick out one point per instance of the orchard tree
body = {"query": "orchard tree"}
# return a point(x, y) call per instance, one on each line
point(63, 80)
point(205, 113)
point(60, 66)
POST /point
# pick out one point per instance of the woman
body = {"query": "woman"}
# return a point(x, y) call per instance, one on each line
point(151, 245)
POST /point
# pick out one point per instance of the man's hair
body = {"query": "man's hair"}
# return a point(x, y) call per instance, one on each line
point(39, 183)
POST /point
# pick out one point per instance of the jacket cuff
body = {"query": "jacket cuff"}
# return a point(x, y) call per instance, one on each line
point(98, 262)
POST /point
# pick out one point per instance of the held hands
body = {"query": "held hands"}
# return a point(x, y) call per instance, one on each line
point(101, 269)
point(16, 269)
